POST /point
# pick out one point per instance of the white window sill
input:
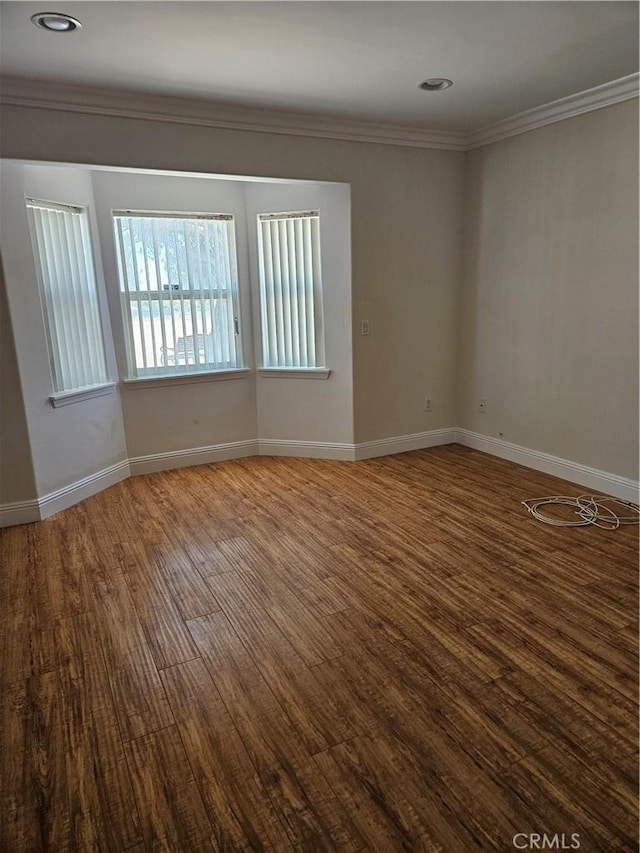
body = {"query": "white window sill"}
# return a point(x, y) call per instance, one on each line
point(294, 372)
point(185, 378)
point(66, 398)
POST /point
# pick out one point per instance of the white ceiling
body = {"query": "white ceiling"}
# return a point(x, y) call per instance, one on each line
point(356, 60)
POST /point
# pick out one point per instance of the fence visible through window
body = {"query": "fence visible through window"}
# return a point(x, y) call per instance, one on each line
point(179, 291)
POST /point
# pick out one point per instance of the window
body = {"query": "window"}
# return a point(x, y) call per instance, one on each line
point(64, 264)
point(179, 291)
point(290, 289)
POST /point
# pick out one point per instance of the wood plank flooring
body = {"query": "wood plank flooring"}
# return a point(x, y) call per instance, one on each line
point(301, 655)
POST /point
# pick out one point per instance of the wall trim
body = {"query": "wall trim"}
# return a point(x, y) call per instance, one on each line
point(192, 456)
point(25, 512)
point(576, 473)
point(340, 451)
point(67, 398)
point(294, 372)
point(80, 490)
point(404, 443)
point(19, 512)
point(140, 382)
point(43, 94)
point(307, 449)
point(582, 102)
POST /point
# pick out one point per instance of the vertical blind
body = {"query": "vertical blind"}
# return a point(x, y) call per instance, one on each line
point(290, 289)
point(179, 289)
point(64, 263)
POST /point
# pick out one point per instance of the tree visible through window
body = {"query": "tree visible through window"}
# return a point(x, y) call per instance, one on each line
point(179, 291)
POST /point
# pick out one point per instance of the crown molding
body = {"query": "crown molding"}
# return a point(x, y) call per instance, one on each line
point(42, 94)
point(573, 105)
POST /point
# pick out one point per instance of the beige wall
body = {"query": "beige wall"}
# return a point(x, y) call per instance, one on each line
point(74, 441)
point(549, 303)
point(17, 482)
point(406, 208)
point(309, 409)
point(169, 418)
point(536, 311)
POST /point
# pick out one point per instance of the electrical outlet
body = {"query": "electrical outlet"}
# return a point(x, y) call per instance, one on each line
point(365, 328)
point(428, 404)
point(482, 406)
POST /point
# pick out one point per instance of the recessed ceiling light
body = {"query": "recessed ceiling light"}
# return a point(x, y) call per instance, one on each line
point(56, 22)
point(435, 84)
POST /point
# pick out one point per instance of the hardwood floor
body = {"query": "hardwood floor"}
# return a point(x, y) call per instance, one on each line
point(283, 654)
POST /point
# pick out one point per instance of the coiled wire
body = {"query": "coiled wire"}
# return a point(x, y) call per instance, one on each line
point(591, 509)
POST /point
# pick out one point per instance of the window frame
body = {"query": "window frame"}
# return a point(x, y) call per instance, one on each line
point(267, 367)
point(102, 383)
point(140, 376)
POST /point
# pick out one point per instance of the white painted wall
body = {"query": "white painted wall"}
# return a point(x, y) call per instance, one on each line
point(549, 303)
point(309, 409)
point(75, 441)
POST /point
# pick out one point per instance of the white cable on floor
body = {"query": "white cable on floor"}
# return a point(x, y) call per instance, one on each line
point(592, 509)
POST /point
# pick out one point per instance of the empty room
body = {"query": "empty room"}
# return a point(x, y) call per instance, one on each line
point(319, 426)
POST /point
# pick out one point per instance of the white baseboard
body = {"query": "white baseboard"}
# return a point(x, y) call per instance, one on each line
point(340, 451)
point(192, 456)
point(404, 443)
point(82, 489)
point(19, 512)
point(356, 452)
point(307, 449)
point(24, 512)
point(583, 475)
